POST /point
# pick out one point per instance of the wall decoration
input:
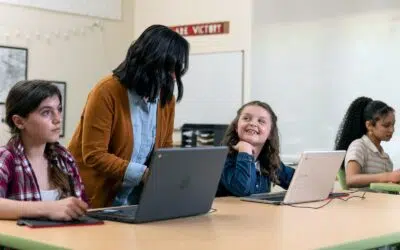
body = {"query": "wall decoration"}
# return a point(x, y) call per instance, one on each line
point(4, 130)
point(13, 68)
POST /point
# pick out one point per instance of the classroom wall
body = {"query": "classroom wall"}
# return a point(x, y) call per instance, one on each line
point(311, 58)
point(80, 60)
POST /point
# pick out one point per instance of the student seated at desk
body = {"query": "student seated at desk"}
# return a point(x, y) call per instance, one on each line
point(38, 176)
point(253, 160)
point(366, 124)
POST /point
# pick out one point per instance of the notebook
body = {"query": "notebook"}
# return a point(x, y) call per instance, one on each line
point(44, 222)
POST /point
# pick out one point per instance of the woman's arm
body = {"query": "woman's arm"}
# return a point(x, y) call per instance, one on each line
point(66, 209)
point(168, 141)
point(285, 175)
point(97, 122)
point(354, 177)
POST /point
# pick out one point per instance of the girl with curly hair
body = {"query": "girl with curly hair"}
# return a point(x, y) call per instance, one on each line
point(253, 160)
point(365, 125)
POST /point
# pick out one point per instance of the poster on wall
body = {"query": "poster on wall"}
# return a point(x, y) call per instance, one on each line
point(4, 130)
point(62, 86)
point(13, 68)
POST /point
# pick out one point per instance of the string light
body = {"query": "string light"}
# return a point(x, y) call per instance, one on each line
point(47, 35)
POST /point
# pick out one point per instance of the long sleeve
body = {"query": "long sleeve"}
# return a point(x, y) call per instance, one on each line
point(96, 133)
point(285, 175)
point(168, 142)
point(239, 175)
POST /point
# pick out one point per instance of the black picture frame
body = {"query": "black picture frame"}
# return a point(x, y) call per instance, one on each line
point(13, 68)
point(62, 86)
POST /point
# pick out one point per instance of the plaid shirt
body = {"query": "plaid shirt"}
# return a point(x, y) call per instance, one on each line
point(17, 178)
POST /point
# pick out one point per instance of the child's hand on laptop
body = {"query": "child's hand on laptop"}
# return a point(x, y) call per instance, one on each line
point(243, 146)
point(65, 209)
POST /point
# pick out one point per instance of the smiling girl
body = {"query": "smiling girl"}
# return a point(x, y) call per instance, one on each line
point(253, 160)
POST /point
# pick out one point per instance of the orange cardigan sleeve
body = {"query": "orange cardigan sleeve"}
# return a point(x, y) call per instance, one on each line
point(170, 125)
point(96, 132)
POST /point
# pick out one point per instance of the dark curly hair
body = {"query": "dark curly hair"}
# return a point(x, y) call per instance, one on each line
point(150, 61)
point(269, 155)
point(353, 124)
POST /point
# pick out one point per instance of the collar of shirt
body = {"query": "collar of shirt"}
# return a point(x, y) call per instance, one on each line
point(371, 146)
point(137, 99)
point(16, 145)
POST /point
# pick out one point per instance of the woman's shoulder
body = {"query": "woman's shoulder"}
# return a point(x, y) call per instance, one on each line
point(357, 144)
point(109, 85)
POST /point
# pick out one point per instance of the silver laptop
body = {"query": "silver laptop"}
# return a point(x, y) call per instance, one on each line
point(313, 179)
point(182, 182)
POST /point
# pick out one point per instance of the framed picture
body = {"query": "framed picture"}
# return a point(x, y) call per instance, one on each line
point(63, 89)
point(13, 68)
point(4, 130)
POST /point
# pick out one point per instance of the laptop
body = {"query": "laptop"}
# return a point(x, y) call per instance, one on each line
point(313, 180)
point(182, 182)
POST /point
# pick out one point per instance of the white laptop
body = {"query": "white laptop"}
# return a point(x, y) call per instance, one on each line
point(313, 179)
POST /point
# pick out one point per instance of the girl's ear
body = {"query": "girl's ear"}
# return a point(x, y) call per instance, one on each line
point(18, 121)
point(368, 125)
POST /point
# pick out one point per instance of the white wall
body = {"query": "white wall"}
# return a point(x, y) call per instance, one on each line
point(80, 60)
point(311, 58)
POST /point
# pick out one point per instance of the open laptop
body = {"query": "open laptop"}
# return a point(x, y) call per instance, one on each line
point(182, 182)
point(313, 179)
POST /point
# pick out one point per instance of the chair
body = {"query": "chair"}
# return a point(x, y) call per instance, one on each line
point(374, 187)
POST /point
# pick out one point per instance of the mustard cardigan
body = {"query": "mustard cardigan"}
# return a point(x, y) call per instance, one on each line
point(102, 144)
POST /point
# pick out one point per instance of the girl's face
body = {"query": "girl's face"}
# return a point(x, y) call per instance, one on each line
point(254, 125)
point(43, 125)
point(384, 127)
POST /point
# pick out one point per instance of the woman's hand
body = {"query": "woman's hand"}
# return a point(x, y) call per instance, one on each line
point(65, 209)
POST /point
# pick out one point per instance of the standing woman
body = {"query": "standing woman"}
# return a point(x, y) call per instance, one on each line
point(127, 115)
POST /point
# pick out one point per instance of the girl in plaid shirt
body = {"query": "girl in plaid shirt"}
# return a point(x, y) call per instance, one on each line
point(38, 176)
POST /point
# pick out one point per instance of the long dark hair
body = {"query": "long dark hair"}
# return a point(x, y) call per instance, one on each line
point(24, 98)
point(353, 126)
point(269, 155)
point(150, 61)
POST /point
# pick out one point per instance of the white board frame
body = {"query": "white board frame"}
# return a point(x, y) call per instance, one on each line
point(187, 115)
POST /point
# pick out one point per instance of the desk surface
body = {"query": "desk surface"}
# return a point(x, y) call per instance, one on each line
point(263, 226)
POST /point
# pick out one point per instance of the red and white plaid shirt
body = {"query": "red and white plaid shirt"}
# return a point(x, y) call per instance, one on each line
point(17, 178)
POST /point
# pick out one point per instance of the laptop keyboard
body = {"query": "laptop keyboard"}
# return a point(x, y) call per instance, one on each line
point(278, 196)
point(114, 213)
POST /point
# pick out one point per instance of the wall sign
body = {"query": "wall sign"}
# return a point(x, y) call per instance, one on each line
point(202, 29)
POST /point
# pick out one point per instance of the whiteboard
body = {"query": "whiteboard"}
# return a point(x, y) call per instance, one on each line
point(110, 9)
point(213, 89)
